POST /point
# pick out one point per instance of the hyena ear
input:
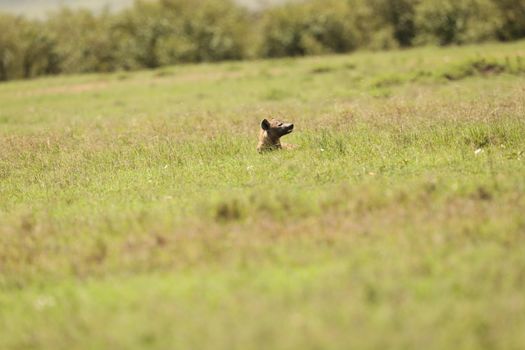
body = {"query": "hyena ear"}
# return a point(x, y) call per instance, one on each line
point(265, 124)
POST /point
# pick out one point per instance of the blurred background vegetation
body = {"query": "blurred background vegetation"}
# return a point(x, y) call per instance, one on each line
point(151, 34)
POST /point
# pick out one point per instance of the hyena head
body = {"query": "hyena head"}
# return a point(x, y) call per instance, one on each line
point(275, 128)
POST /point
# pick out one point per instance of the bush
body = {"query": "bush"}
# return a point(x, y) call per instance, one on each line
point(314, 27)
point(84, 41)
point(396, 17)
point(26, 49)
point(456, 22)
point(138, 32)
point(40, 52)
point(9, 47)
point(218, 30)
point(512, 14)
point(173, 31)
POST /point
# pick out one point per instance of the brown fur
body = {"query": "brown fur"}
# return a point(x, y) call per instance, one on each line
point(270, 135)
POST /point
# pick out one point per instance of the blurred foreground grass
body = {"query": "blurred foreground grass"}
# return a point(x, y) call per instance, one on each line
point(135, 212)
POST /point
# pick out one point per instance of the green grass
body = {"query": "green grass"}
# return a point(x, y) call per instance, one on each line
point(135, 212)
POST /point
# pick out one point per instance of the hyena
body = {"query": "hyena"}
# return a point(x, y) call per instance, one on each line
point(270, 136)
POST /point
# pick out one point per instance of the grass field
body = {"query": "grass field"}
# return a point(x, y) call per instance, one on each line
point(135, 212)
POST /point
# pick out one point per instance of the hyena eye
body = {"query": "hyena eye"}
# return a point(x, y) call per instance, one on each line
point(280, 124)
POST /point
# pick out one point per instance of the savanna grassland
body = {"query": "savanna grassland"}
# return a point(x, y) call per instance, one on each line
point(135, 212)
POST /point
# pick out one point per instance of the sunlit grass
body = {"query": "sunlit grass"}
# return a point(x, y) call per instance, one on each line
point(136, 213)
